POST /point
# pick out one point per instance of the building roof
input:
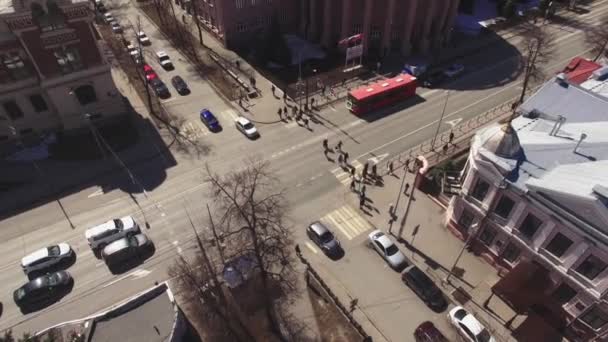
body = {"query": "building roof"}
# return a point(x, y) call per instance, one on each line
point(12, 6)
point(580, 69)
point(383, 85)
point(598, 82)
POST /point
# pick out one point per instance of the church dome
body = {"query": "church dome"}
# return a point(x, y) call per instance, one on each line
point(503, 142)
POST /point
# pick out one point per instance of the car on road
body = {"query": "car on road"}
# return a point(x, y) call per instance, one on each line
point(164, 60)
point(46, 257)
point(433, 79)
point(105, 233)
point(180, 85)
point(116, 28)
point(454, 70)
point(210, 120)
point(134, 52)
point(427, 332)
point(160, 88)
point(424, 287)
point(468, 326)
point(149, 72)
point(143, 38)
point(324, 238)
point(387, 250)
point(246, 127)
point(42, 289)
point(124, 249)
point(108, 17)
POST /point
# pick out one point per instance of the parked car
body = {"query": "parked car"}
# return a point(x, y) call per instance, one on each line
point(149, 72)
point(433, 79)
point(99, 236)
point(164, 60)
point(246, 127)
point(210, 120)
point(160, 89)
point(143, 38)
point(116, 28)
point(180, 85)
point(42, 289)
point(324, 238)
point(101, 8)
point(108, 17)
point(454, 70)
point(424, 287)
point(468, 326)
point(125, 249)
point(46, 257)
point(427, 332)
point(387, 250)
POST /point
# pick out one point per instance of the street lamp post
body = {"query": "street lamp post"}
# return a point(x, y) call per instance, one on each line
point(466, 244)
point(13, 131)
point(440, 120)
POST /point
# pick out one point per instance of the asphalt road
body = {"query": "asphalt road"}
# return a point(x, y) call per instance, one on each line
point(296, 155)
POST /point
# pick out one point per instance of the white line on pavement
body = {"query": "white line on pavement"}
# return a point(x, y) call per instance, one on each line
point(311, 247)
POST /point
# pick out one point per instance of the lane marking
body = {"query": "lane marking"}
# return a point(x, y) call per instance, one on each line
point(311, 247)
point(97, 192)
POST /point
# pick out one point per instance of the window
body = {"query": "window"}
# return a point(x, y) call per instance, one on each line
point(504, 207)
point(253, 2)
point(85, 94)
point(466, 219)
point(563, 294)
point(68, 59)
point(559, 245)
point(511, 252)
point(591, 267)
point(595, 318)
point(357, 28)
point(530, 225)
point(240, 3)
point(375, 33)
point(12, 110)
point(480, 190)
point(16, 66)
point(487, 236)
point(38, 103)
point(240, 27)
point(467, 331)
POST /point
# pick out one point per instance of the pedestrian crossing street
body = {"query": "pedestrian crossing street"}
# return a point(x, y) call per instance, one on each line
point(193, 130)
point(343, 175)
point(348, 221)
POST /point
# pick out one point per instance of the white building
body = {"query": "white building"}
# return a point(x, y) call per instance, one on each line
point(534, 203)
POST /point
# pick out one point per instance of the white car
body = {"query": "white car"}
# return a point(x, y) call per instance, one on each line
point(468, 326)
point(387, 249)
point(108, 17)
point(100, 236)
point(454, 70)
point(246, 127)
point(143, 39)
point(134, 52)
point(164, 60)
point(125, 248)
point(116, 28)
point(46, 257)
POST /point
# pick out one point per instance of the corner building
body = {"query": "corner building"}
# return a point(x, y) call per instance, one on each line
point(52, 70)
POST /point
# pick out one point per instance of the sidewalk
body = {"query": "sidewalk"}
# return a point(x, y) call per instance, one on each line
point(434, 249)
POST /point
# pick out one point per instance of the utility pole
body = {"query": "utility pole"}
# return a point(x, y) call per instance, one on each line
point(440, 120)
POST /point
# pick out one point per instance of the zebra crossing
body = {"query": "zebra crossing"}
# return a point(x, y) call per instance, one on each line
point(348, 221)
point(193, 130)
point(343, 175)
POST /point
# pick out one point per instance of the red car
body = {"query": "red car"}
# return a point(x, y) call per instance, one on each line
point(427, 332)
point(149, 72)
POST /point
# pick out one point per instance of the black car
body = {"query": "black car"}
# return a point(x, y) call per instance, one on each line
point(180, 85)
point(434, 79)
point(324, 238)
point(43, 289)
point(424, 287)
point(160, 89)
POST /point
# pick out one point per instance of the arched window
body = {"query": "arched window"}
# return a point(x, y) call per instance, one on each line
point(85, 94)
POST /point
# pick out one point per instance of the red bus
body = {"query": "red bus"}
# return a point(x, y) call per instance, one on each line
point(381, 94)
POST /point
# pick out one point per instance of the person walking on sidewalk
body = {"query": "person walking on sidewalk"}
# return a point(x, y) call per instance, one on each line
point(340, 160)
point(353, 185)
point(352, 172)
point(346, 158)
point(306, 123)
point(365, 167)
point(375, 170)
point(280, 112)
point(451, 137)
point(339, 146)
point(361, 202)
point(325, 142)
point(272, 88)
point(363, 188)
point(390, 167)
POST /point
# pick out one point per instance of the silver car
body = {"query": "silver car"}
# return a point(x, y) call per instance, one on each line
point(387, 250)
point(125, 248)
point(46, 257)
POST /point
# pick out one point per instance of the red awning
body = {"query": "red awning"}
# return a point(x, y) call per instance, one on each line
point(523, 286)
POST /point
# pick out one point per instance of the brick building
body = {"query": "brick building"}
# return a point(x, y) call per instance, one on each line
point(52, 71)
point(402, 26)
point(534, 203)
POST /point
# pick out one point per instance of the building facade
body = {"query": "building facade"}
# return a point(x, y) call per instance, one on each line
point(403, 26)
point(534, 203)
point(53, 75)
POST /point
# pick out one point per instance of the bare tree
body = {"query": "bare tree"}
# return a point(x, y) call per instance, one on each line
point(597, 38)
point(538, 52)
point(197, 21)
point(253, 222)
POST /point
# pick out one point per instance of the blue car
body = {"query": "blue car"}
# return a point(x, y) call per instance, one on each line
point(210, 120)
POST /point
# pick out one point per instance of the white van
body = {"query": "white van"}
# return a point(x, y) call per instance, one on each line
point(99, 236)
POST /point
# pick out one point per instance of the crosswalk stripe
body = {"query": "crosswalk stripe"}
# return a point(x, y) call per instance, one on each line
point(337, 225)
point(357, 221)
point(353, 222)
point(346, 224)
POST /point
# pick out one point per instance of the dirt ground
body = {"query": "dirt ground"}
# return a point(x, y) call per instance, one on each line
point(333, 326)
